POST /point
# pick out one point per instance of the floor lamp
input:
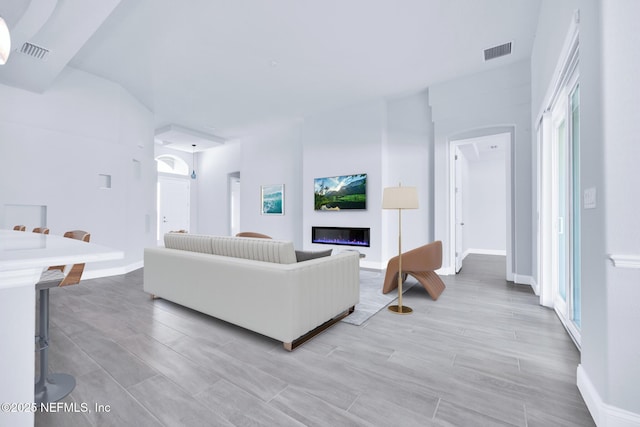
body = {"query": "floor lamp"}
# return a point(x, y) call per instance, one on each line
point(400, 198)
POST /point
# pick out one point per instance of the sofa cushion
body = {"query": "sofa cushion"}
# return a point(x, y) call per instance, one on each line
point(307, 255)
point(257, 249)
point(188, 242)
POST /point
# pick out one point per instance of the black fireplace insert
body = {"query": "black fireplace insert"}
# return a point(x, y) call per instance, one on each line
point(347, 236)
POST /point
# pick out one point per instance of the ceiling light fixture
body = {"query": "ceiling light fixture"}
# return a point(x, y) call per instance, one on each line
point(193, 161)
point(5, 42)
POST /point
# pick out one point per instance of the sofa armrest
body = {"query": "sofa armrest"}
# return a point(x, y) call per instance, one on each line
point(324, 287)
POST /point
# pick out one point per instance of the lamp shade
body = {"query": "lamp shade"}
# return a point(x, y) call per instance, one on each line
point(400, 198)
point(5, 42)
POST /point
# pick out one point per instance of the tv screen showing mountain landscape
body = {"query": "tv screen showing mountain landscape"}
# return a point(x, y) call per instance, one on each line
point(338, 193)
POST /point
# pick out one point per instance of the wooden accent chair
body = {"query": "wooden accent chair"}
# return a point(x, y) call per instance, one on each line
point(53, 387)
point(252, 234)
point(20, 228)
point(420, 263)
point(41, 230)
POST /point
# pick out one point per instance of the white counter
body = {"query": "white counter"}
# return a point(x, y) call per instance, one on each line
point(23, 257)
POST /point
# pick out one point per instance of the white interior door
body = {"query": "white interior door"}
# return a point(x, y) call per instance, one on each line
point(458, 209)
point(173, 205)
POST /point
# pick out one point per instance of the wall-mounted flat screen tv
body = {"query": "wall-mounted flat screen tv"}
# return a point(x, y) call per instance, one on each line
point(339, 193)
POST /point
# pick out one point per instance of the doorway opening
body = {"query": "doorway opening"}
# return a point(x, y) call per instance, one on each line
point(173, 196)
point(234, 203)
point(481, 209)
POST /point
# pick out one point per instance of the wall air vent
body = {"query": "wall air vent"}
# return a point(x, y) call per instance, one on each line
point(497, 51)
point(34, 51)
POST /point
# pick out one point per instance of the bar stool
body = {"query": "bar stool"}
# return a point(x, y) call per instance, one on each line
point(41, 230)
point(20, 228)
point(53, 387)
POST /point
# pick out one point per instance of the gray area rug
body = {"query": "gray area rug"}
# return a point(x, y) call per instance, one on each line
point(372, 300)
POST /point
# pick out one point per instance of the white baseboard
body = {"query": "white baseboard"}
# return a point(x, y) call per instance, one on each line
point(114, 271)
point(484, 252)
point(446, 271)
point(535, 286)
point(372, 265)
point(604, 415)
point(510, 276)
point(521, 279)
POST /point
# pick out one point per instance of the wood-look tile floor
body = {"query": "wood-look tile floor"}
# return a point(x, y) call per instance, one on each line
point(484, 354)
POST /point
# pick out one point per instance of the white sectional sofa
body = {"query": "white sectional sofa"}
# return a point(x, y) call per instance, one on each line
point(254, 283)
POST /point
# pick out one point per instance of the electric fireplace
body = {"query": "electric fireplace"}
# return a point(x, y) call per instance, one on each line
point(347, 236)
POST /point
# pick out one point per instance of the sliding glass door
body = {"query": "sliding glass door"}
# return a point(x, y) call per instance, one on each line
point(559, 192)
point(561, 212)
point(566, 207)
point(574, 285)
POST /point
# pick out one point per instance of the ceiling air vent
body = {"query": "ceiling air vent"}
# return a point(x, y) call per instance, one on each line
point(497, 51)
point(34, 51)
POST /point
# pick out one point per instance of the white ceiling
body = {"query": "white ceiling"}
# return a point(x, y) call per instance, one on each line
point(224, 67)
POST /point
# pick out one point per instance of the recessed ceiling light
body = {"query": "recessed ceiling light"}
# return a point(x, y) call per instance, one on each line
point(273, 63)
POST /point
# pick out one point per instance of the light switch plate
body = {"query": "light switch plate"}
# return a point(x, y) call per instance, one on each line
point(589, 200)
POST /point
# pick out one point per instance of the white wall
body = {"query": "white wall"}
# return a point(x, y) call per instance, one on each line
point(210, 205)
point(609, 372)
point(343, 142)
point(621, 78)
point(390, 141)
point(269, 156)
point(273, 157)
point(407, 157)
point(484, 202)
point(472, 106)
point(54, 145)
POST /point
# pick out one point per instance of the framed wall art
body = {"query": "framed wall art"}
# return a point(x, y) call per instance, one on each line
point(272, 199)
point(338, 193)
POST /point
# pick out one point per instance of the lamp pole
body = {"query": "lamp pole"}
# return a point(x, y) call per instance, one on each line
point(400, 260)
point(400, 198)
